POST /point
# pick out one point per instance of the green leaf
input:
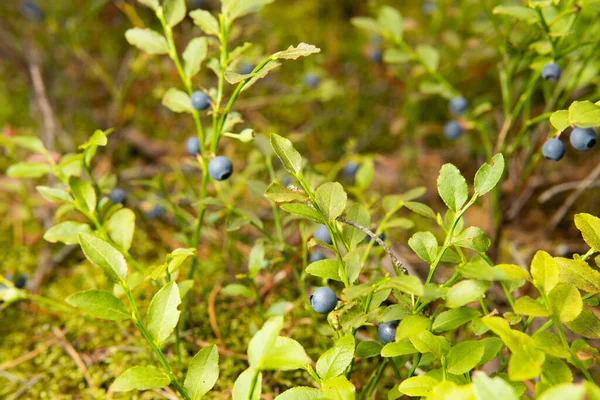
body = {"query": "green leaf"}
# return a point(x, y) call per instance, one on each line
point(579, 273)
point(425, 245)
point(262, 342)
point(250, 378)
point(174, 11)
point(429, 56)
point(328, 269)
point(465, 292)
point(104, 255)
point(100, 304)
point(522, 13)
point(589, 226)
point(292, 53)
point(177, 101)
point(396, 312)
point(301, 393)
point(565, 302)
point(584, 114)
point(234, 9)
point(530, 307)
point(368, 24)
point(352, 265)
point(560, 120)
point(285, 355)
point(271, 65)
point(120, 227)
point(303, 210)
point(452, 319)
point(478, 268)
point(398, 348)
point(486, 388)
point(28, 170)
point(465, 356)
point(290, 158)
point(338, 388)
point(391, 20)
point(30, 143)
point(353, 317)
point(411, 326)
point(335, 360)
point(405, 283)
point(427, 342)
point(489, 174)
point(147, 40)
point(550, 344)
point(555, 371)
point(203, 372)
point(279, 193)
point(492, 346)
point(256, 260)
point(544, 271)
point(237, 289)
point(163, 314)
point(472, 238)
point(84, 194)
point(368, 349)
point(359, 214)
point(331, 199)
point(565, 391)
point(194, 54)
point(365, 174)
point(206, 21)
point(140, 378)
point(586, 324)
point(66, 232)
point(419, 385)
point(153, 4)
point(52, 194)
point(452, 187)
point(420, 209)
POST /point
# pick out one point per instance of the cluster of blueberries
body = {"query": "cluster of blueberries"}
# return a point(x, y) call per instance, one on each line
point(457, 106)
point(323, 300)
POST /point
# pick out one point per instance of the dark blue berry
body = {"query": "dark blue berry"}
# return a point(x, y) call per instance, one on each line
point(192, 146)
point(220, 168)
point(21, 282)
point(553, 149)
point(156, 212)
point(317, 256)
point(453, 130)
point(32, 11)
point(387, 332)
point(583, 139)
point(311, 80)
point(323, 300)
point(246, 68)
point(458, 105)
point(375, 56)
point(322, 234)
point(200, 100)
point(287, 181)
point(194, 4)
point(351, 168)
point(551, 72)
point(118, 196)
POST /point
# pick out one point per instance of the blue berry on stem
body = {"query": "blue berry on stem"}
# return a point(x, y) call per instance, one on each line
point(322, 234)
point(553, 149)
point(220, 168)
point(453, 130)
point(311, 80)
point(323, 300)
point(118, 196)
point(192, 146)
point(551, 72)
point(458, 105)
point(351, 168)
point(317, 256)
point(200, 100)
point(583, 139)
point(387, 332)
point(21, 281)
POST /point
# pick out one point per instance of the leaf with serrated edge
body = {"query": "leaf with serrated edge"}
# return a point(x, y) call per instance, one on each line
point(147, 40)
point(292, 53)
point(104, 255)
point(289, 156)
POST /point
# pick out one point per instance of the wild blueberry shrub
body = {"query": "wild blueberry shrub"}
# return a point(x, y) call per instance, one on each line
point(440, 337)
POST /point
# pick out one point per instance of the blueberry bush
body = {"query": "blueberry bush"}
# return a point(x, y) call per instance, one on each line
point(394, 226)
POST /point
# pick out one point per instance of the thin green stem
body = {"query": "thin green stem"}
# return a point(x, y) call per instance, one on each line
point(565, 344)
point(415, 364)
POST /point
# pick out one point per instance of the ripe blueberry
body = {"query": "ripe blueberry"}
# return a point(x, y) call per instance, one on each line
point(246, 68)
point(322, 234)
point(118, 196)
point(200, 100)
point(351, 168)
point(287, 181)
point(220, 168)
point(551, 72)
point(387, 332)
point(155, 212)
point(192, 146)
point(583, 139)
point(458, 105)
point(553, 149)
point(453, 130)
point(311, 80)
point(323, 300)
point(21, 282)
point(317, 256)
point(375, 56)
